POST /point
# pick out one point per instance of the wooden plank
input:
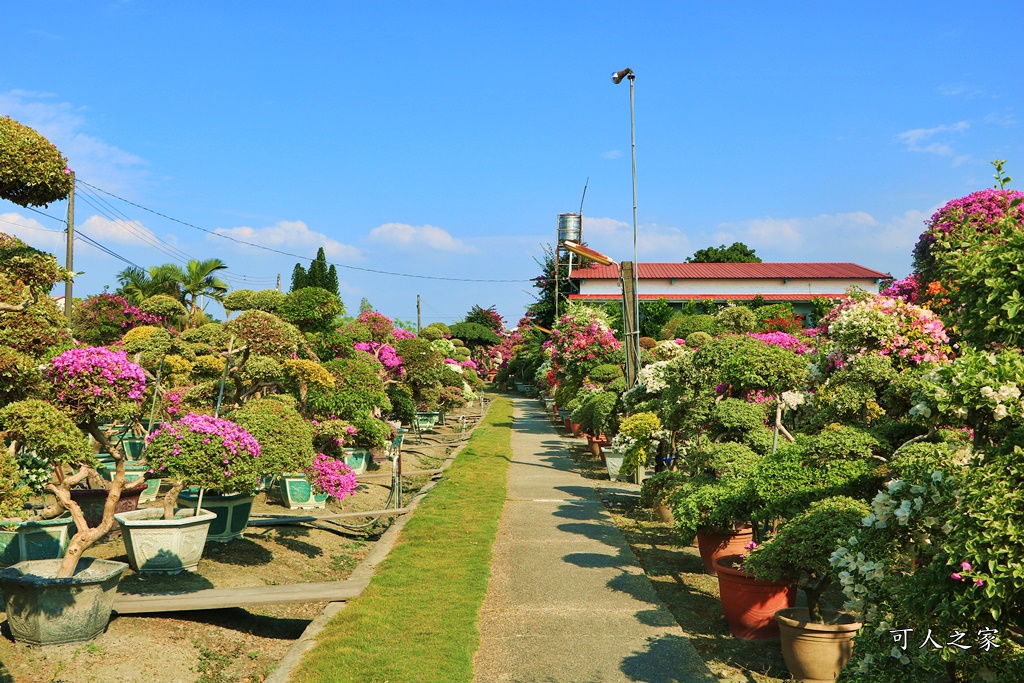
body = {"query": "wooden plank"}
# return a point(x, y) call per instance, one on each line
point(287, 519)
point(220, 598)
point(407, 473)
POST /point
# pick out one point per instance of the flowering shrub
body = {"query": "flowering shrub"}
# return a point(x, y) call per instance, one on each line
point(97, 383)
point(204, 451)
point(881, 325)
point(639, 436)
point(285, 439)
point(331, 476)
point(580, 341)
point(488, 317)
point(103, 318)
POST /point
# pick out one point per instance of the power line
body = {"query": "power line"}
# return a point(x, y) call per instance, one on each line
point(289, 254)
point(29, 227)
point(88, 240)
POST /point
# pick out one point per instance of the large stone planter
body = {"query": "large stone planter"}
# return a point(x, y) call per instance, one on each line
point(613, 463)
point(164, 546)
point(43, 610)
point(425, 421)
point(815, 653)
point(44, 539)
point(232, 511)
point(298, 494)
point(750, 605)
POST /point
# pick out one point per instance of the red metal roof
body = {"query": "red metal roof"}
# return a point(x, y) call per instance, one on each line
point(734, 271)
point(700, 297)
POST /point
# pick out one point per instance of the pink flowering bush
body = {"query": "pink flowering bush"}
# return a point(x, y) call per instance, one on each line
point(206, 452)
point(401, 333)
point(905, 289)
point(783, 340)
point(103, 318)
point(331, 476)
point(385, 354)
point(96, 384)
point(881, 325)
point(579, 343)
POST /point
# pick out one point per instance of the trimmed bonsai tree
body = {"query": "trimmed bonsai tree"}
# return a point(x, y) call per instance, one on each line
point(32, 171)
point(285, 439)
point(801, 549)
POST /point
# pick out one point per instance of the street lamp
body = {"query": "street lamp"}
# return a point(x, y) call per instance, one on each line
point(633, 336)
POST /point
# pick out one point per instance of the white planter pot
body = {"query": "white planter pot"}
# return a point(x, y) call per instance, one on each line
point(164, 546)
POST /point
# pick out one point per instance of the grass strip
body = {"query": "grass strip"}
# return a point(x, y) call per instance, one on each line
point(418, 619)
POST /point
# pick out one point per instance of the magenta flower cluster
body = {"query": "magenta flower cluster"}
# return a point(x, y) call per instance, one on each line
point(906, 289)
point(94, 380)
point(331, 476)
point(172, 400)
point(979, 211)
point(112, 306)
point(192, 444)
point(402, 333)
point(385, 354)
point(783, 340)
point(469, 364)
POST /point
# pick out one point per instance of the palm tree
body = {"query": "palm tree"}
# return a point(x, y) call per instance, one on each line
point(198, 280)
point(137, 284)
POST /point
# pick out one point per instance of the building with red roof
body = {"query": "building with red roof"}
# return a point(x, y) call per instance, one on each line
point(678, 283)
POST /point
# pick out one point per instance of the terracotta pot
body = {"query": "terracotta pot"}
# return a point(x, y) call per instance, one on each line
point(574, 427)
point(750, 605)
point(715, 544)
point(567, 422)
point(815, 653)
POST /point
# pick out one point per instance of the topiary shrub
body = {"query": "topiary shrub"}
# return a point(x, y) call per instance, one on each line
point(164, 306)
point(311, 309)
point(32, 171)
point(285, 439)
point(19, 375)
point(737, 320)
point(264, 334)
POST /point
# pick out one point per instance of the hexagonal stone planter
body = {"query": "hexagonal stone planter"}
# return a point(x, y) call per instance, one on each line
point(298, 494)
point(232, 512)
point(164, 546)
point(44, 610)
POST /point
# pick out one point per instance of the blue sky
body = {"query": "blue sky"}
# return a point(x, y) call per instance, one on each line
point(442, 139)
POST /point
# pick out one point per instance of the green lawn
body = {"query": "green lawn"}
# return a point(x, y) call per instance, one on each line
point(417, 620)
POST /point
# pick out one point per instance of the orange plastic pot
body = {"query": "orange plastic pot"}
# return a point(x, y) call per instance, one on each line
point(714, 544)
point(750, 605)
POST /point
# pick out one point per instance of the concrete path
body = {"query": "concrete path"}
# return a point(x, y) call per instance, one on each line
point(567, 600)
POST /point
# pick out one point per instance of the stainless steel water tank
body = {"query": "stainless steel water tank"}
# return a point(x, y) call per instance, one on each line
point(569, 227)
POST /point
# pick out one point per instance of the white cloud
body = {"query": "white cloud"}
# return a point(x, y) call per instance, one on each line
point(92, 159)
point(125, 232)
point(653, 242)
point(290, 236)
point(921, 139)
point(1003, 118)
point(430, 236)
point(32, 232)
point(611, 154)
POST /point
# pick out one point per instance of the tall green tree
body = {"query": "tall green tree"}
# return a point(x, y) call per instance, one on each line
point(317, 275)
point(365, 306)
point(299, 278)
point(736, 253)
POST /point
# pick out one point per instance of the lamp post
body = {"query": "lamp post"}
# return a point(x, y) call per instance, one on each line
point(633, 336)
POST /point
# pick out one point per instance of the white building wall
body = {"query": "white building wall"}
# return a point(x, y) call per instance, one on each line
point(808, 287)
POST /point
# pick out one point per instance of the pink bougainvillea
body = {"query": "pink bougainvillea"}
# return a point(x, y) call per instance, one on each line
point(385, 354)
point(95, 382)
point(205, 451)
point(577, 345)
point(331, 476)
point(781, 339)
point(905, 289)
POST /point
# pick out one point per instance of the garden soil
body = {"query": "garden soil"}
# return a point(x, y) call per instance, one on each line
point(236, 645)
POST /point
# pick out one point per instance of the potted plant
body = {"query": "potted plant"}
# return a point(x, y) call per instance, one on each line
point(286, 443)
point(217, 457)
point(716, 505)
point(816, 643)
point(51, 601)
point(750, 604)
point(656, 493)
point(639, 437)
point(368, 434)
point(330, 477)
point(27, 538)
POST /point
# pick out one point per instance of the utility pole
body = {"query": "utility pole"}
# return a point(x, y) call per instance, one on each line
point(279, 282)
point(417, 314)
point(631, 334)
point(69, 260)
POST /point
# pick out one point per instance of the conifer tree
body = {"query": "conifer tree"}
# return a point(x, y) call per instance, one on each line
point(300, 278)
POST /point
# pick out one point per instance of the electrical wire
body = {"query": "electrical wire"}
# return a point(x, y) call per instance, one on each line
point(286, 253)
point(30, 227)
